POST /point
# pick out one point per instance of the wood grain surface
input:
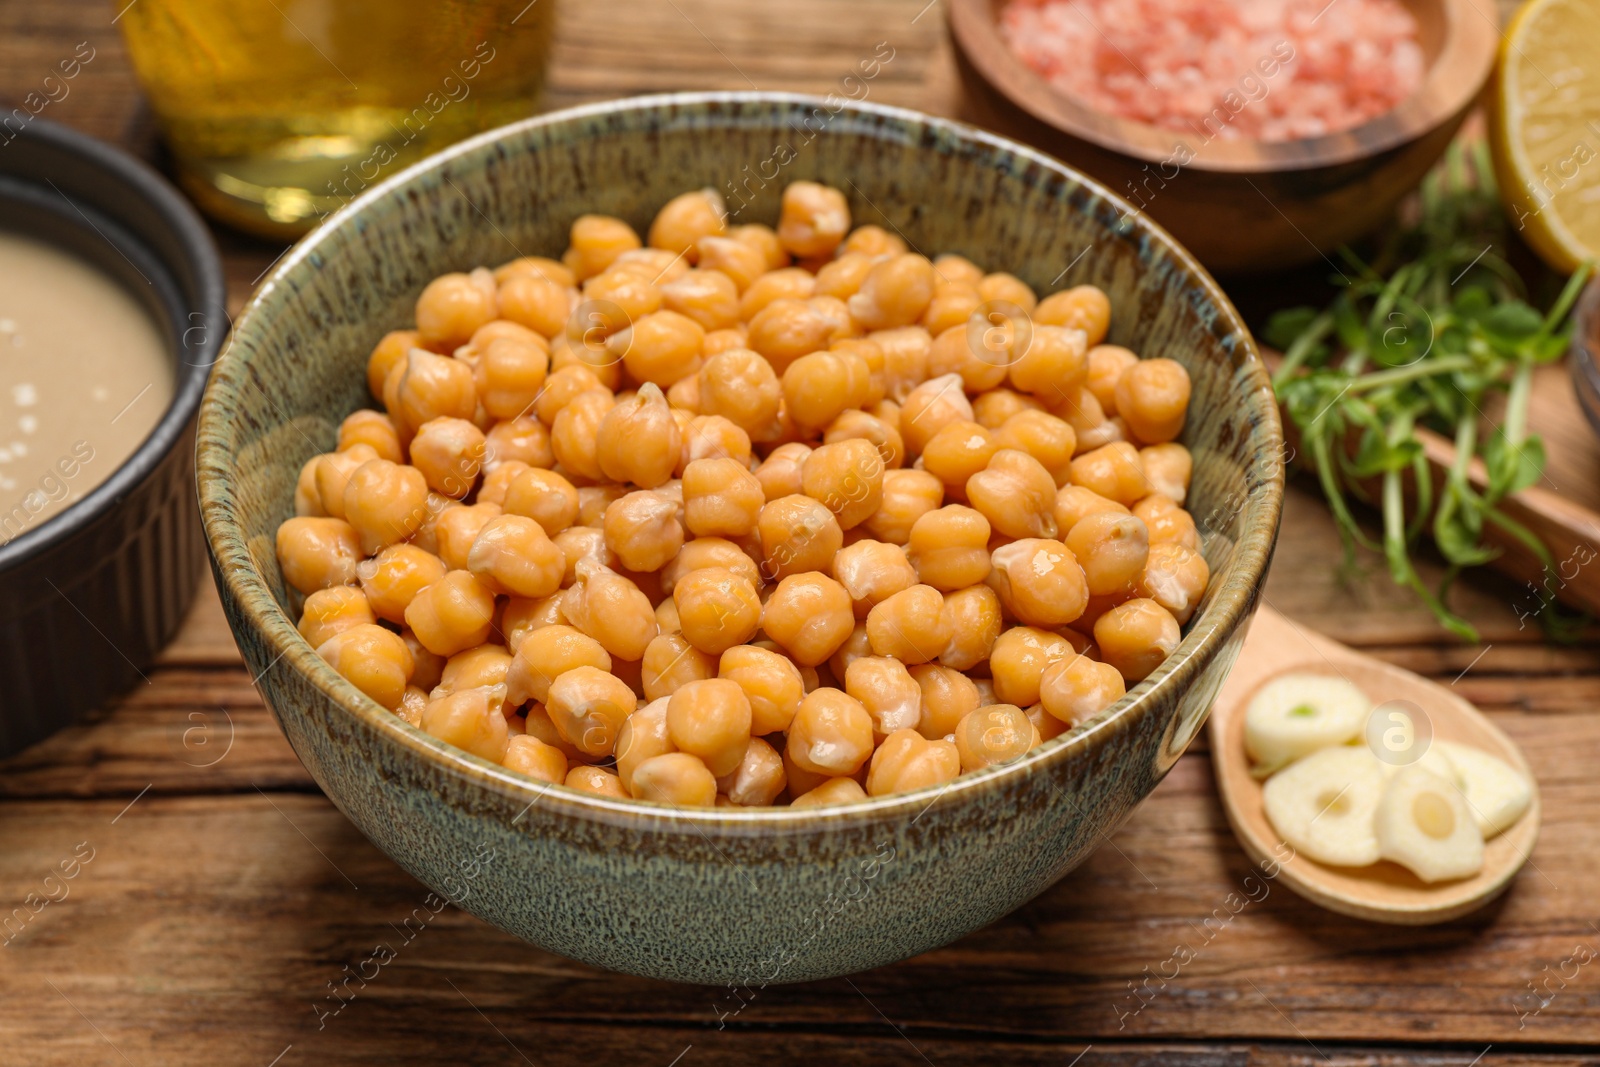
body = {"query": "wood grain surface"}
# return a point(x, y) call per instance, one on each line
point(225, 902)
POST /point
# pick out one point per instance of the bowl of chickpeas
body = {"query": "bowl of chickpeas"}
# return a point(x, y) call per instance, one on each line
point(761, 539)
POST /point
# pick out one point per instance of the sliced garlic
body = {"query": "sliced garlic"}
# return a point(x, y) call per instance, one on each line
point(1434, 761)
point(1296, 714)
point(1323, 805)
point(1496, 794)
point(1423, 824)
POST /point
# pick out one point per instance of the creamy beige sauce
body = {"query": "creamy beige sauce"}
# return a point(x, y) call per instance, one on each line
point(84, 377)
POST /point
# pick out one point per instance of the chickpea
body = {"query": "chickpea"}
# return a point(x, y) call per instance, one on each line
point(1112, 549)
point(687, 218)
point(470, 719)
point(449, 452)
point(1168, 468)
point(711, 720)
point(331, 473)
point(1075, 503)
point(973, 620)
point(331, 611)
point(1175, 577)
point(873, 241)
point(509, 375)
point(532, 757)
point(523, 440)
point(907, 496)
point(831, 733)
point(642, 529)
point(595, 242)
point(710, 437)
point(391, 349)
point(589, 707)
point(536, 267)
point(947, 696)
point(871, 572)
point(1016, 494)
point(425, 386)
point(847, 477)
point(1134, 637)
point(787, 329)
point(992, 735)
point(596, 780)
point(656, 265)
point(574, 435)
point(909, 626)
point(721, 498)
point(1001, 287)
point(455, 530)
point(738, 261)
point(1153, 396)
point(385, 502)
point(307, 500)
point(1083, 308)
point(452, 614)
point(857, 645)
point(412, 703)
point(497, 481)
point(1083, 413)
point(392, 579)
point(316, 553)
point(819, 386)
point(709, 552)
point(522, 616)
point(643, 736)
point(907, 761)
point(1106, 366)
point(841, 278)
point(675, 778)
point(953, 304)
point(740, 386)
point(717, 609)
point(543, 496)
point(561, 387)
point(958, 451)
point(779, 473)
point(1113, 471)
point(788, 283)
point(1046, 438)
point(708, 297)
point(758, 779)
point(1075, 689)
point(809, 615)
point(593, 500)
point(660, 347)
point(929, 408)
point(895, 292)
point(852, 424)
point(797, 534)
point(905, 358)
point(885, 688)
point(814, 219)
point(1040, 582)
point(429, 665)
point(611, 609)
point(995, 408)
point(513, 556)
point(538, 303)
point(829, 793)
point(1019, 660)
point(1055, 362)
point(981, 349)
point(373, 429)
point(453, 306)
point(949, 547)
point(1167, 522)
point(669, 662)
point(770, 682)
point(545, 654)
point(485, 665)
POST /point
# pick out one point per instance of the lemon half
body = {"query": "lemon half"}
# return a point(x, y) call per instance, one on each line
point(1545, 128)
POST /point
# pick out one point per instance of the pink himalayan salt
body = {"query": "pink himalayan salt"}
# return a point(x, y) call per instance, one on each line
point(1202, 66)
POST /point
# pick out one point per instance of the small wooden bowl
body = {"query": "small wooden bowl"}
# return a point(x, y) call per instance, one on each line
point(1241, 205)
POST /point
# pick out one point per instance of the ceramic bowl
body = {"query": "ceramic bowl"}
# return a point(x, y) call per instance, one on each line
point(92, 593)
point(722, 895)
point(1243, 205)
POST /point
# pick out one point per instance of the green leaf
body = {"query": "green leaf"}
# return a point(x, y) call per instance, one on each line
point(1512, 468)
point(1512, 321)
point(1285, 326)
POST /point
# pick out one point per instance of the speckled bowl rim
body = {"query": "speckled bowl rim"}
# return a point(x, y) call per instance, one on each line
point(1229, 604)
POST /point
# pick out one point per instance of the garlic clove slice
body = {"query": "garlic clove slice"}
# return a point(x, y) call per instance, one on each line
point(1423, 823)
point(1323, 805)
point(1296, 714)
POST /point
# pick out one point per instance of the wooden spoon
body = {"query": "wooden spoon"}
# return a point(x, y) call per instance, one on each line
point(1384, 892)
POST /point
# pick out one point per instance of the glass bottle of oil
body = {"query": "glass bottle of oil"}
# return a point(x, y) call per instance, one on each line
point(278, 112)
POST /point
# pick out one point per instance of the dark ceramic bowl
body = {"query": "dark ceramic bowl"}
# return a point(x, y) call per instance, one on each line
point(723, 895)
point(92, 593)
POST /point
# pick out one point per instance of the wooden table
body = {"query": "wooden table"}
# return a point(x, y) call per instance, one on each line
point(224, 893)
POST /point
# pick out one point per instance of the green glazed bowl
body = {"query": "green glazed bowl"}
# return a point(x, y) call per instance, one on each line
point(724, 895)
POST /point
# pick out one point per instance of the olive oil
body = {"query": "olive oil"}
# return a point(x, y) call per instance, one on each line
point(278, 112)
